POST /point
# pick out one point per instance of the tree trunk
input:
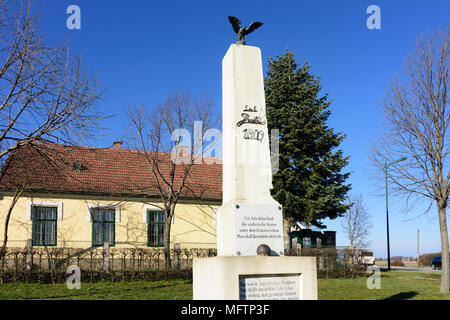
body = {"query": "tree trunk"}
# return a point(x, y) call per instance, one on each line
point(5, 235)
point(287, 231)
point(7, 218)
point(444, 246)
point(167, 241)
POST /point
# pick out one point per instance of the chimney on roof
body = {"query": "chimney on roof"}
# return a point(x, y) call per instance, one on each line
point(117, 145)
point(183, 151)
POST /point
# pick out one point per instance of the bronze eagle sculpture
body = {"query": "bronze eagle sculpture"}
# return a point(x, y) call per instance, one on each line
point(243, 31)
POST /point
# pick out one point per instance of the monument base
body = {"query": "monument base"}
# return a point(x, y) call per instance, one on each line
point(255, 278)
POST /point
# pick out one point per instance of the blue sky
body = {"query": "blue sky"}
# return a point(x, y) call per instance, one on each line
point(144, 50)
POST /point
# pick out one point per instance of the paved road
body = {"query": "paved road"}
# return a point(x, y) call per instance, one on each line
point(426, 269)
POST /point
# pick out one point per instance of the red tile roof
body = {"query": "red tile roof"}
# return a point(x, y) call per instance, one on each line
point(53, 168)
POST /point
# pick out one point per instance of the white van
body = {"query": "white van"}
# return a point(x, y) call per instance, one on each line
point(366, 258)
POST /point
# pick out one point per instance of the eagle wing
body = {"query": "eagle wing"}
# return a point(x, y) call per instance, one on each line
point(253, 27)
point(235, 23)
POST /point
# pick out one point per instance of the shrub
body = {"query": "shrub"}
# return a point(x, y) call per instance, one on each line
point(425, 259)
point(397, 263)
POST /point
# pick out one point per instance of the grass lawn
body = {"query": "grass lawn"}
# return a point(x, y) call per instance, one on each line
point(394, 285)
point(408, 285)
point(140, 290)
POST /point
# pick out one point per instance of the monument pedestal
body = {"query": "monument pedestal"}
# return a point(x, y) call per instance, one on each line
point(255, 278)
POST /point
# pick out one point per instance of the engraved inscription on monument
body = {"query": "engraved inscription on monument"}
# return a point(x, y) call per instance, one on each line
point(258, 227)
point(269, 287)
point(252, 133)
point(257, 224)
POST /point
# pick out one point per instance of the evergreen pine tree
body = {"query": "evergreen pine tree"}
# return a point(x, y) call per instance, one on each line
point(309, 183)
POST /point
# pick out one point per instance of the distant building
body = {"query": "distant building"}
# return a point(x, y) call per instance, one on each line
point(312, 239)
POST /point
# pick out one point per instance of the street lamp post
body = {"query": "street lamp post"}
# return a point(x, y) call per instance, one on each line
point(386, 166)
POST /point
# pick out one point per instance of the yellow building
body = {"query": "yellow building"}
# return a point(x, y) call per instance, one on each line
point(81, 197)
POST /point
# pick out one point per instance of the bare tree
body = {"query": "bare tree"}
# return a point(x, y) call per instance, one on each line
point(45, 95)
point(163, 136)
point(356, 223)
point(18, 174)
point(17, 193)
point(417, 121)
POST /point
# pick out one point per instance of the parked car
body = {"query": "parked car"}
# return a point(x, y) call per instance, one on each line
point(436, 262)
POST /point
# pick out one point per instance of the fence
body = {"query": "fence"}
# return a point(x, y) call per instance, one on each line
point(332, 262)
point(47, 264)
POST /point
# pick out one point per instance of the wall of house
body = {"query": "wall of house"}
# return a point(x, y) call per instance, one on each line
point(193, 225)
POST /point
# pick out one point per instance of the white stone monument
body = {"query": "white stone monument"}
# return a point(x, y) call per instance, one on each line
point(249, 216)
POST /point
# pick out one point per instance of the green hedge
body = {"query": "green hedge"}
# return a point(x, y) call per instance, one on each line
point(86, 276)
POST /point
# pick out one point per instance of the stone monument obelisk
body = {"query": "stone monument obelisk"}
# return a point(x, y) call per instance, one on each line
point(249, 217)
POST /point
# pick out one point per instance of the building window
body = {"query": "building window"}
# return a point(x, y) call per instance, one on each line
point(103, 226)
point(318, 243)
point(155, 232)
point(43, 225)
point(306, 242)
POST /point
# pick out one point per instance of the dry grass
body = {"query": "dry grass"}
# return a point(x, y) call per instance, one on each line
point(408, 264)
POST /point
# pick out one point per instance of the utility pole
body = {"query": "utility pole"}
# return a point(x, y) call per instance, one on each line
point(387, 218)
point(418, 252)
point(386, 166)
